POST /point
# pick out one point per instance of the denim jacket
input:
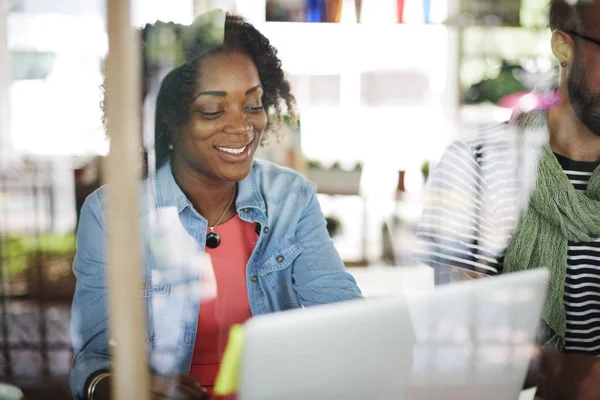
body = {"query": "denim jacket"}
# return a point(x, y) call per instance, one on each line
point(294, 264)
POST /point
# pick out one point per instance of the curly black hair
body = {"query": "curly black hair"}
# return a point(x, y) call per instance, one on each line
point(170, 41)
point(177, 88)
point(567, 15)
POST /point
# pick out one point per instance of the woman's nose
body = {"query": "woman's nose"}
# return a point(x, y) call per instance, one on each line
point(238, 124)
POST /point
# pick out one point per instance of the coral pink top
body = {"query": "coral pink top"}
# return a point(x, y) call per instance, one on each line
point(230, 306)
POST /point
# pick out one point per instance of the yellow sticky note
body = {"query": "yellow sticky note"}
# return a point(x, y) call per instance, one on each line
point(229, 373)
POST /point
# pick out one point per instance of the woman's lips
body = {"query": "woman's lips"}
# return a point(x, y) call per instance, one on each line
point(235, 154)
point(230, 150)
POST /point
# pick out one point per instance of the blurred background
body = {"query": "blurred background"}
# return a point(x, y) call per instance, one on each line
point(383, 86)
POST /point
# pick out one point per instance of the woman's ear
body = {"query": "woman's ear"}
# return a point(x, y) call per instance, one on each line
point(563, 48)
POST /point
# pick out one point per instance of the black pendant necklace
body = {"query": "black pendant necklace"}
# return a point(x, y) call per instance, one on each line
point(213, 240)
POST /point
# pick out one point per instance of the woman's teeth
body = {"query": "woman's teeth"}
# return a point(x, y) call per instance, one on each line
point(232, 151)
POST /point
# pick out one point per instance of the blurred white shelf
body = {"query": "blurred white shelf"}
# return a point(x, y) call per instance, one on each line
point(336, 181)
point(332, 48)
point(346, 27)
point(483, 114)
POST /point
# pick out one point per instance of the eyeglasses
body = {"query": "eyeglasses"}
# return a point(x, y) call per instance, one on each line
point(584, 37)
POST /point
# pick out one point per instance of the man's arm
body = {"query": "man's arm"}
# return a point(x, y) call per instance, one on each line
point(564, 376)
point(456, 231)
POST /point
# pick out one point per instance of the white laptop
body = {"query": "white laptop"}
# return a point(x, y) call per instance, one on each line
point(469, 340)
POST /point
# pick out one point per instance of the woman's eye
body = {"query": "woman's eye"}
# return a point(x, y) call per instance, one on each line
point(207, 114)
point(255, 110)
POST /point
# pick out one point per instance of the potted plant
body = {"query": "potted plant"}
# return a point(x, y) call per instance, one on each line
point(425, 170)
point(334, 226)
point(14, 264)
point(314, 164)
point(335, 180)
point(39, 265)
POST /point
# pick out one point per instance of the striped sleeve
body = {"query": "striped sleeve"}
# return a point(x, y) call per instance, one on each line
point(468, 215)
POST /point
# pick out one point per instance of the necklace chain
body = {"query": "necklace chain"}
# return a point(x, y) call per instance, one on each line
point(212, 228)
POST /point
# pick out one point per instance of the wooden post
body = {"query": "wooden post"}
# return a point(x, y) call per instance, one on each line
point(5, 151)
point(6, 148)
point(127, 311)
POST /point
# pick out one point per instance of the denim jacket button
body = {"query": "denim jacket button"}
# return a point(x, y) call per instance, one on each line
point(266, 230)
point(254, 278)
point(280, 259)
point(245, 211)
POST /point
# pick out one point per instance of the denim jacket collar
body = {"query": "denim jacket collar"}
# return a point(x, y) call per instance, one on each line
point(169, 194)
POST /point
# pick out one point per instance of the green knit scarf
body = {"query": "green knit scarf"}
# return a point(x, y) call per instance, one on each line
point(556, 214)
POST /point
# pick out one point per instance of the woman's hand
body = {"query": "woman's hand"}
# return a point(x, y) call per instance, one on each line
point(171, 387)
point(561, 376)
point(176, 387)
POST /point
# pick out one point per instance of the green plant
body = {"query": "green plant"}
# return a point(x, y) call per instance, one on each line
point(336, 165)
point(493, 90)
point(288, 121)
point(314, 164)
point(425, 170)
point(334, 226)
point(19, 252)
point(14, 258)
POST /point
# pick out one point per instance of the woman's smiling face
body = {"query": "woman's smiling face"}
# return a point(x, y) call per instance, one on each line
point(227, 118)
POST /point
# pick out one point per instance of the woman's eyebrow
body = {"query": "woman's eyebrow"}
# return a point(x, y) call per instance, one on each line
point(254, 89)
point(223, 94)
point(210, 93)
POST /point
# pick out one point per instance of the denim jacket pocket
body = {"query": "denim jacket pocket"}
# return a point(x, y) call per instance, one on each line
point(282, 256)
point(150, 289)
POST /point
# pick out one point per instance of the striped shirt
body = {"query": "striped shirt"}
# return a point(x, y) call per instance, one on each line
point(471, 204)
point(475, 195)
point(582, 285)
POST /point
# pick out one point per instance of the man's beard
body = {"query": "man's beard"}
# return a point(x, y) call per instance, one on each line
point(585, 102)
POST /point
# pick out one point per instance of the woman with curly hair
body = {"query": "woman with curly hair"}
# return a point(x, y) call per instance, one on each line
point(260, 223)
